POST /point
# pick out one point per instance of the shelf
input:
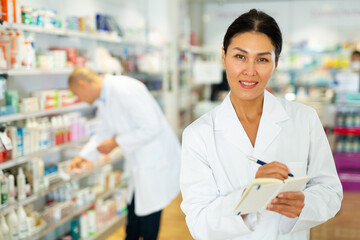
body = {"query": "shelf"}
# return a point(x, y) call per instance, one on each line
point(347, 160)
point(156, 93)
point(350, 180)
point(29, 72)
point(146, 76)
point(6, 209)
point(305, 85)
point(99, 36)
point(52, 111)
point(63, 71)
point(202, 50)
point(24, 159)
point(109, 229)
point(344, 130)
point(137, 43)
point(76, 213)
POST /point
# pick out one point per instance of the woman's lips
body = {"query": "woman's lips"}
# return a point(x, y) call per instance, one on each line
point(248, 84)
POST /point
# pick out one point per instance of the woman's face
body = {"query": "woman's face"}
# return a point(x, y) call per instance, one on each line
point(249, 63)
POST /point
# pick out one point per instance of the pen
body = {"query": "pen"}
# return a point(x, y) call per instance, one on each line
point(263, 163)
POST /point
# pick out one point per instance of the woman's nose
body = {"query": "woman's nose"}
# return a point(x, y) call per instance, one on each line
point(249, 69)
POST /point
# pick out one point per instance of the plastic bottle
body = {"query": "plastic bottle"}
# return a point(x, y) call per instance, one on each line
point(12, 133)
point(13, 50)
point(22, 223)
point(26, 140)
point(21, 184)
point(61, 130)
point(17, 10)
point(7, 8)
point(4, 229)
point(6, 143)
point(36, 143)
point(28, 58)
point(4, 189)
point(41, 167)
point(35, 175)
point(67, 127)
point(46, 133)
point(74, 225)
point(84, 227)
point(92, 221)
point(12, 222)
point(12, 192)
point(55, 131)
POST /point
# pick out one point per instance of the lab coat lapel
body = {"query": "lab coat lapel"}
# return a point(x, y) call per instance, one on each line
point(228, 124)
point(269, 128)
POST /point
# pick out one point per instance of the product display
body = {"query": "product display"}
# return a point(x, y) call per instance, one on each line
point(40, 134)
point(5, 232)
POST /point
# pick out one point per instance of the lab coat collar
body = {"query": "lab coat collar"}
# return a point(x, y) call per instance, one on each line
point(103, 92)
point(227, 121)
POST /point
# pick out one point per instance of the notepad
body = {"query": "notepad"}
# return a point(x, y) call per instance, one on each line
point(262, 190)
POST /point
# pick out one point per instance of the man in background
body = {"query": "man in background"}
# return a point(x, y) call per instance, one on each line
point(132, 119)
point(355, 61)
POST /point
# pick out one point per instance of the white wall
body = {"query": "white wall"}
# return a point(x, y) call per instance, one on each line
point(321, 23)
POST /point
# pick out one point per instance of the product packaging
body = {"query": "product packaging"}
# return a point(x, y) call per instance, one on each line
point(6, 144)
point(13, 224)
point(12, 99)
point(12, 192)
point(30, 104)
point(7, 9)
point(23, 230)
point(84, 227)
point(4, 229)
point(21, 184)
point(4, 184)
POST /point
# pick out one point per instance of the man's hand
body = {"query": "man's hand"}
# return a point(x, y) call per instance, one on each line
point(79, 163)
point(273, 170)
point(289, 204)
point(107, 146)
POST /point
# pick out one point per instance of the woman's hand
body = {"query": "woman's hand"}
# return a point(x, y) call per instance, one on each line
point(273, 170)
point(289, 204)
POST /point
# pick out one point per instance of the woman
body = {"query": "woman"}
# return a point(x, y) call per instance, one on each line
point(252, 122)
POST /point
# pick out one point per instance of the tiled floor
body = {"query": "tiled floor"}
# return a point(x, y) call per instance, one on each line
point(345, 226)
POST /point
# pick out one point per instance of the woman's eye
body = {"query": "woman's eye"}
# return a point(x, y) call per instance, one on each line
point(263, 60)
point(239, 56)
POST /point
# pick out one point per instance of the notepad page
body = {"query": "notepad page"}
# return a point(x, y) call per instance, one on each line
point(258, 197)
point(294, 184)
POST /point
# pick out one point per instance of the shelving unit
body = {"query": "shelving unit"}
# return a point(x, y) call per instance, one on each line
point(5, 210)
point(98, 36)
point(80, 40)
point(25, 159)
point(109, 229)
point(48, 112)
point(347, 146)
point(27, 72)
point(120, 220)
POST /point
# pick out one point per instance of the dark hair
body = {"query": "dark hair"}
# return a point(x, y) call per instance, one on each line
point(355, 53)
point(255, 21)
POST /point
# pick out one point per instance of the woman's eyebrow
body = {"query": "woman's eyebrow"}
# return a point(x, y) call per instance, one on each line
point(244, 51)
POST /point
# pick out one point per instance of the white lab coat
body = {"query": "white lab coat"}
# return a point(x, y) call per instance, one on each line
point(151, 149)
point(215, 171)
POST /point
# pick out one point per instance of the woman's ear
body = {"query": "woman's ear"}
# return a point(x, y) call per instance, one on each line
point(223, 57)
